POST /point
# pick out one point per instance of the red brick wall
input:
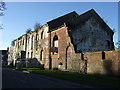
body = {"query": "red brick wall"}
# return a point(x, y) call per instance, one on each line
point(110, 65)
point(115, 57)
point(95, 63)
point(62, 45)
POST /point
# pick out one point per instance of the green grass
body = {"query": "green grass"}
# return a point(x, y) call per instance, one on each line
point(98, 80)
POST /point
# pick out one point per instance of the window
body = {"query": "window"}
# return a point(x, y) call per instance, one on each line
point(103, 55)
point(23, 41)
point(31, 54)
point(41, 55)
point(36, 42)
point(36, 36)
point(55, 44)
point(28, 40)
point(28, 54)
point(32, 42)
point(18, 44)
point(82, 56)
point(23, 54)
point(42, 35)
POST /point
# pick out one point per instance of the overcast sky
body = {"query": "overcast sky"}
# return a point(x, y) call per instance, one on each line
point(20, 16)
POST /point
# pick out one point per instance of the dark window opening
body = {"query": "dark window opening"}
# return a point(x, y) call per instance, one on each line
point(28, 54)
point(36, 37)
point(31, 54)
point(55, 44)
point(32, 42)
point(82, 56)
point(103, 55)
point(23, 41)
point(28, 40)
point(41, 55)
point(36, 42)
point(23, 54)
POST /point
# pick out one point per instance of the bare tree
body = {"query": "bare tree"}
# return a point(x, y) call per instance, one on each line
point(28, 30)
point(37, 26)
point(2, 8)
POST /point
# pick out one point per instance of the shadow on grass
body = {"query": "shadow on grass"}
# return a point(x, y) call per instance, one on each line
point(90, 79)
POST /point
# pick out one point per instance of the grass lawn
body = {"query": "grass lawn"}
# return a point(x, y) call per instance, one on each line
point(98, 80)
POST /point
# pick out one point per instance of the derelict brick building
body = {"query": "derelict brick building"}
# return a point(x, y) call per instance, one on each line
point(65, 38)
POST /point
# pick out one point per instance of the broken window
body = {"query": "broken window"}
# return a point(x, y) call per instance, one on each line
point(36, 37)
point(23, 54)
point(28, 40)
point(23, 41)
point(32, 43)
point(18, 44)
point(36, 42)
point(42, 35)
point(41, 55)
point(28, 54)
point(55, 44)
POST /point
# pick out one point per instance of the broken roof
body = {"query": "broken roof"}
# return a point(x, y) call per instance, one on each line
point(61, 20)
point(72, 19)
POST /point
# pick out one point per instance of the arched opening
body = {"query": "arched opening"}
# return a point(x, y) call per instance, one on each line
point(32, 42)
point(36, 37)
point(23, 42)
point(42, 35)
point(68, 57)
point(41, 55)
point(55, 44)
point(36, 42)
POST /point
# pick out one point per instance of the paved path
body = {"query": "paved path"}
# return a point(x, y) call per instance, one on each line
point(17, 79)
